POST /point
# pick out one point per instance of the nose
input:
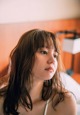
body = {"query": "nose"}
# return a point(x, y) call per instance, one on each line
point(51, 59)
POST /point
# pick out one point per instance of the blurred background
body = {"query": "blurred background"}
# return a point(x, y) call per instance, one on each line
point(61, 17)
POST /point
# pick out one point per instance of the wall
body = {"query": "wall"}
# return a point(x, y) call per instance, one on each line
point(10, 34)
point(18, 16)
point(38, 10)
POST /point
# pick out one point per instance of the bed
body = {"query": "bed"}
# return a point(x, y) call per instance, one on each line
point(72, 86)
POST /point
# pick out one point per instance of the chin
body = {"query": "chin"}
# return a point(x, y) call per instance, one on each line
point(49, 77)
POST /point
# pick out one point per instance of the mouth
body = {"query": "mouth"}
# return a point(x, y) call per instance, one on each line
point(50, 69)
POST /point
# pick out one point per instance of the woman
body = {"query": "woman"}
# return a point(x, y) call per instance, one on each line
point(34, 86)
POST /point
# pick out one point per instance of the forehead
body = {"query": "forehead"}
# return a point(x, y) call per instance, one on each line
point(44, 39)
point(49, 43)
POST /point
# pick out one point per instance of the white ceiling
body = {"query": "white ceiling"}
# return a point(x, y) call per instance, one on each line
point(37, 10)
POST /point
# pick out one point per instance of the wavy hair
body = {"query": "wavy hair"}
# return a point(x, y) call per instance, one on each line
point(22, 61)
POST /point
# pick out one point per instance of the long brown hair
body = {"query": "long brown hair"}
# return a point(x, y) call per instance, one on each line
point(22, 61)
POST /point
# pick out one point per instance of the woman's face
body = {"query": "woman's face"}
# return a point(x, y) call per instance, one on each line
point(45, 64)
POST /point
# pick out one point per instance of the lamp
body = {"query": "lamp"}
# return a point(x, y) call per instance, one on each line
point(71, 45)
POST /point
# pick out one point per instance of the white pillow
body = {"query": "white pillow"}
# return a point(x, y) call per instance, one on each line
point(71, 85)
point(78, 109)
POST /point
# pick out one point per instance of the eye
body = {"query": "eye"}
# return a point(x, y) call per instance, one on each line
point(43, 52)
point(55, 55)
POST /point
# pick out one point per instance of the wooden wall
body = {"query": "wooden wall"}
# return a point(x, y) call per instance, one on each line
point(10, 34)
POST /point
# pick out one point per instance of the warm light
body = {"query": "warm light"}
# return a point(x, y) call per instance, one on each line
point(71, 45)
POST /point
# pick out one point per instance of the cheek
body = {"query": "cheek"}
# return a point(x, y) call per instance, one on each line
point(56, 64)
point(37, 65)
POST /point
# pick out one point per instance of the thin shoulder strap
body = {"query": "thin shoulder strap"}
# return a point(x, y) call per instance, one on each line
point(46, 107)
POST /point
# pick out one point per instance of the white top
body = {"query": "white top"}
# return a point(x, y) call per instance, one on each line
point(46, 107)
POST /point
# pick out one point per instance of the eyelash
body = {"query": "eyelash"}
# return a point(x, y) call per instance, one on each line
point(55, 55)
point(46, 52)
point(43, 52)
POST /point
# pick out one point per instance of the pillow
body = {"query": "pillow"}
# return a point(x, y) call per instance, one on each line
point(78, 109)
point(71, 85)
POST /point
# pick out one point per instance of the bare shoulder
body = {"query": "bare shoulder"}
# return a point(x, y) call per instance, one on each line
point(66, 107)
point(1, 105)
point(70, 104)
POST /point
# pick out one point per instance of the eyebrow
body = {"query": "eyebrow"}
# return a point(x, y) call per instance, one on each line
point(49, 48)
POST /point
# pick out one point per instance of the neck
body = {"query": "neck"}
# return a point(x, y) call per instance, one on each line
point(36, 91)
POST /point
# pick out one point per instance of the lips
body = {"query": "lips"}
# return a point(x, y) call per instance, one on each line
point(50, 69)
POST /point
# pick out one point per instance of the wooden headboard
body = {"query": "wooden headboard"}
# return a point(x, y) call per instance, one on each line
point(10, 34)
